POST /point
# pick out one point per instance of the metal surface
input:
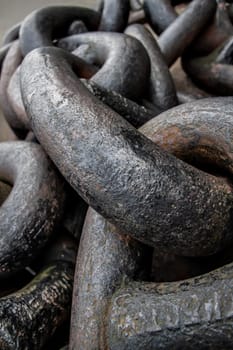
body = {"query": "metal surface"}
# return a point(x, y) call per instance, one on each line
point(161, 196)
point(115, 168)
point(34, 207)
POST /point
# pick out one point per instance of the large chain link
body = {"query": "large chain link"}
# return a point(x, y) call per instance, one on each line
point(99, 118)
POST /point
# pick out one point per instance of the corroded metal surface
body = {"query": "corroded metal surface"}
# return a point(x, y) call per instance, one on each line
point(190, 314)
point(130, 171)
point(161, 90)
point(136, 114)
point(30, 316)
point(198, 132)
point(161, 196)
point(34, 33)
point(32, 210)
point(115, 50)
point(219, 30)
point(106, 258)
point(187, 91)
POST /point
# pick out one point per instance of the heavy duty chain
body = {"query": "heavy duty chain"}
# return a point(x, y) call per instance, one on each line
point(101, 117)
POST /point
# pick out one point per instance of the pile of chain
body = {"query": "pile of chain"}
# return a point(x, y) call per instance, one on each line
point(127, 110)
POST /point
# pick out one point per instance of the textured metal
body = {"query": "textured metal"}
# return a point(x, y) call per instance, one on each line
point(106, 258)
point(160, 197)
point(29, 317)
point(135, 114)
point(213, 72)
point(34, 207)
point(190, 314)
point(219, 30)
point(43, 25)
point(116, 169)
point(160, 14)
point(115, 52)
point(114, 15)
point(199, 132)
point(162, 91)
point(178, 35)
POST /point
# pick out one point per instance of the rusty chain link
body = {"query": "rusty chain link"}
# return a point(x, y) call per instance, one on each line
point(125, 159)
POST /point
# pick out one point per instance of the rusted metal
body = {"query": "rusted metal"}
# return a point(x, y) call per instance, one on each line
point(106, 259)
point(34, 206)
point(190, 314)
point(42, 26)
point(198, 133)
point(30, 316)
point(14, 96)
point(116, 169)
point(135, 114)
point(118, 51)
point(161, 195)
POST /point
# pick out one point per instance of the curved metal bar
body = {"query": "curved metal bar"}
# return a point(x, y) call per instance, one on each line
point(114, 16)
point(30, 316)
point(190, 314)
point(32, 210)
point(105, 259)
point(178, 35)
point(14, 96)
point(135, 114)
point(212, 73)
point(218, 31)
point(160, 14)
point(11, 63)
point(162, 90)
point(42, 26)
point(124, 62)
point(187, 91)
point(141, 189)
point(199, 132)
